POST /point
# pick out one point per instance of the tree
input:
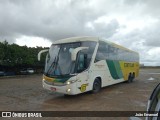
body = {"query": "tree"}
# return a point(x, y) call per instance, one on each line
point(13, 55)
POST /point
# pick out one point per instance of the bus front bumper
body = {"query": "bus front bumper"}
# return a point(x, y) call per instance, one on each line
point(65, 89)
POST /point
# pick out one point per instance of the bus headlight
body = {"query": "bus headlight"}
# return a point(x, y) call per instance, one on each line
point(70, 82)
point(68, 90)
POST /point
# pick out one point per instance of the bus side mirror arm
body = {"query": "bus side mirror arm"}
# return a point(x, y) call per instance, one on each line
point(75, 51)
point(39, 54)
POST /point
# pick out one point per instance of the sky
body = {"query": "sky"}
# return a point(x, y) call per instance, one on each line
point(133, 24)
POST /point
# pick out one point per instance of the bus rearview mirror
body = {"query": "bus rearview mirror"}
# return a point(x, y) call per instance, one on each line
point(75, 51)
point(39, 54)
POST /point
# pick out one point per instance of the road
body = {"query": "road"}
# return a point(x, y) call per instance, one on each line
point(25, 93)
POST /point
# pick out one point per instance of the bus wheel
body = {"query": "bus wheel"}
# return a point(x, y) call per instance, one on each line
point(130, 78)
point(133, 76)
point(96, 85)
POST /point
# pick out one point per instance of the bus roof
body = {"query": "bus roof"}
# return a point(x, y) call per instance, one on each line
point(76, 39)
point(88, 38)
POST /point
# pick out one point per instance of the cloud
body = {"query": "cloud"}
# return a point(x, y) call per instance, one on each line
point(133, 24)
point(145, 41)
point(52, 19)
point(151, 35)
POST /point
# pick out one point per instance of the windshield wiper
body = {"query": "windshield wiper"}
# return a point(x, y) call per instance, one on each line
point(56, 65)
point(52, 65)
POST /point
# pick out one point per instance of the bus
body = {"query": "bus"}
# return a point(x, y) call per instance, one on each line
point(80, 64)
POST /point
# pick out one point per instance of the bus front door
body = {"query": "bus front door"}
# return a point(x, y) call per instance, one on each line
point(82, 77)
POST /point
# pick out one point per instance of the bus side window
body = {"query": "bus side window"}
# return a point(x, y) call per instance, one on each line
point(102, 52)
point(112, 53)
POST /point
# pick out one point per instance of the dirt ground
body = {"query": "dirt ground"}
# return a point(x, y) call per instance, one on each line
point(25, 93)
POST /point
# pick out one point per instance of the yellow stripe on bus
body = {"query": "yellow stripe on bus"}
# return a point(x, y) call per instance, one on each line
point(48, 78)
point(129, 67)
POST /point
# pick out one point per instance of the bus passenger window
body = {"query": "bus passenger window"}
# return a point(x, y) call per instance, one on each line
point(102, 52)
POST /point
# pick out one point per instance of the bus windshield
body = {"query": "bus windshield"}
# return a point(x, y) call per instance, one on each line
point(58, 60)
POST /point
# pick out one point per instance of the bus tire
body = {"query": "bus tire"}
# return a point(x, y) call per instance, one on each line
point(96, 85)
point(130, 78)
point(133, 76)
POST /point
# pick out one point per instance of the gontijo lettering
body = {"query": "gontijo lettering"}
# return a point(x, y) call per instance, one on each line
point(128, 64)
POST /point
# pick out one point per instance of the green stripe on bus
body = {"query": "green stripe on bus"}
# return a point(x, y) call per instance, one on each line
point(118, 69)
point(61, 79)
point(114, 68)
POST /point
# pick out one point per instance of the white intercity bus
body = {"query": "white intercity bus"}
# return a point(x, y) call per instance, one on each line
point(80, 64)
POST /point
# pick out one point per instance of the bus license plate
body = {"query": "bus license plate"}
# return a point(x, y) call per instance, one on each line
point(53, 89)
